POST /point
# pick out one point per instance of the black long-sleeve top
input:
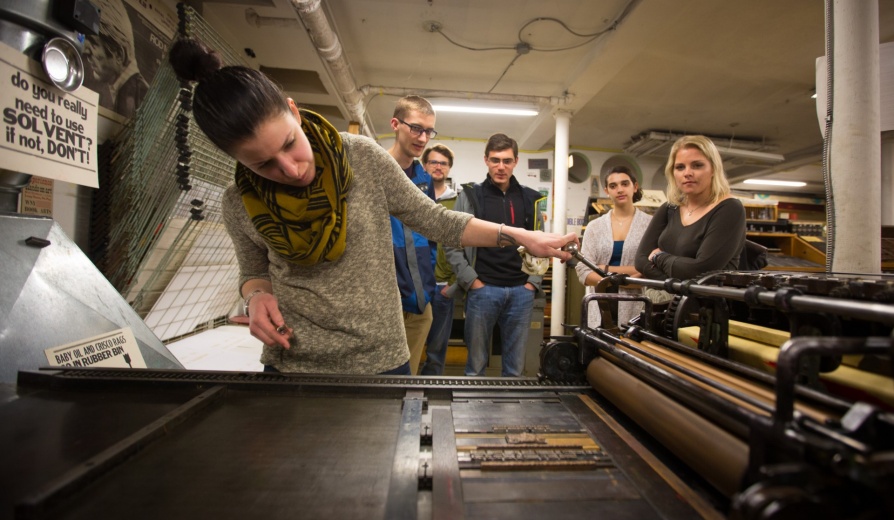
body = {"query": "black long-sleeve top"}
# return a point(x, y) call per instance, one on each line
point(713, 242)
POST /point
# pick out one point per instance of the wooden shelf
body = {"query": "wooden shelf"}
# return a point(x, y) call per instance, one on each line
point(761, 212)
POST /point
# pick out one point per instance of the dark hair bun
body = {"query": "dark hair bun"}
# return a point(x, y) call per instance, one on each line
point(193, 61)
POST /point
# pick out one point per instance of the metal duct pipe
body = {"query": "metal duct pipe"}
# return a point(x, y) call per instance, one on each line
point(329, 48)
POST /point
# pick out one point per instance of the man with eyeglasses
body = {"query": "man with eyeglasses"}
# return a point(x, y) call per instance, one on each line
point(498, 292)
point(438, 160)
point(413, 124)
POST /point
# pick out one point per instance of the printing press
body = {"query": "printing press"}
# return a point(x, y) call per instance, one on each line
point(783, 432)
point(625, 423)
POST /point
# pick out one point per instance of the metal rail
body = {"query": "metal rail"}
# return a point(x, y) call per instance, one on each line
point(787, 299)
point(249, 379)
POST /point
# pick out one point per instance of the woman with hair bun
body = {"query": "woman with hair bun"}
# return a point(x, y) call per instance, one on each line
point(701, 227)
point(611, 241)
point(309, 218)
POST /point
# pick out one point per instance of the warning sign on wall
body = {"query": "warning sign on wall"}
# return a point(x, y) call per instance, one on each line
point(46, 131)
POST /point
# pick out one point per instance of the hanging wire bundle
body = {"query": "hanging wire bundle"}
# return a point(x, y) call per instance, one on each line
point(157, 212)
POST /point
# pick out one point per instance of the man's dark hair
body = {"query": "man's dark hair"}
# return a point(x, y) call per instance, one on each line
point(500, 142)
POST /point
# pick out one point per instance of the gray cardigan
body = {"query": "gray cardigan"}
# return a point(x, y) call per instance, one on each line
point(346, 314)
point(597, 247)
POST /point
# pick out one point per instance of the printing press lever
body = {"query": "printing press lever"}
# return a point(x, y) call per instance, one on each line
point(575, 252)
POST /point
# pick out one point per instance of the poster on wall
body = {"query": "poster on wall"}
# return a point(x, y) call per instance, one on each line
point(122, 60)
point(37, 197)
point(46, 131)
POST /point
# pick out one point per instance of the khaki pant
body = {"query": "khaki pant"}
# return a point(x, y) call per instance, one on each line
point(417, 326)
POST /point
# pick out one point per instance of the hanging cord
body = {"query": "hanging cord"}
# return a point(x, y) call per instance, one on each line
point(522, 47)
point(827, 140)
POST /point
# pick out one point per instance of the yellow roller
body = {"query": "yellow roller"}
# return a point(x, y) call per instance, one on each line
point(846, 381)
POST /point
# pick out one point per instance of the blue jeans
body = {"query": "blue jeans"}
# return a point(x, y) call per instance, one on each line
point(507, 307)
point(438, 335)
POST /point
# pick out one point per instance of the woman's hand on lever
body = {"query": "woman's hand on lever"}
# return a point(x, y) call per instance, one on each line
point(544, 245)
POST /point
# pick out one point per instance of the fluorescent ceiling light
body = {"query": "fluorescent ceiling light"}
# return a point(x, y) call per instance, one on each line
point(466, 109)
point(769, 182)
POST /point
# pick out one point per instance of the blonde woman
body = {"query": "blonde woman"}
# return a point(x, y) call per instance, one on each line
point(701, 227)
point(611, 241)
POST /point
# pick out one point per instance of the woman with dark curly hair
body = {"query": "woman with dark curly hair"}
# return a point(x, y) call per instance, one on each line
point(309, 218)
point(611, 240)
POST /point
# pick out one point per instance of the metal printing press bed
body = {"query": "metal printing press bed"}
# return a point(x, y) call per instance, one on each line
point(622, 424)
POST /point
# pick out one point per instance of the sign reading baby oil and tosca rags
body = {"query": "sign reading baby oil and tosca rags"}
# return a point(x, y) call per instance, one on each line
point(117, 348)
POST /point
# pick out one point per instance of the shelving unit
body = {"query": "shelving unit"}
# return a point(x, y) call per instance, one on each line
point(596, 207)
point(802, 211)
point(761, 212)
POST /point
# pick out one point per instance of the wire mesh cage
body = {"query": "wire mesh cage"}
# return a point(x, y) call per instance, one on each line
point(157, 232)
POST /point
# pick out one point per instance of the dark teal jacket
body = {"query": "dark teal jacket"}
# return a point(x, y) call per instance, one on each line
point(413, 255)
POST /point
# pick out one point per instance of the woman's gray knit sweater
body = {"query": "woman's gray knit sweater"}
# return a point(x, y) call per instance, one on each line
point(346, 315)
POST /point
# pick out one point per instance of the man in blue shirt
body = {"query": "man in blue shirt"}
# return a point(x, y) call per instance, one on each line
point(413, 124)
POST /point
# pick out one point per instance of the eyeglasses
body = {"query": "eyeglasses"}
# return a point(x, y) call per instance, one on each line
point(438, 163)
point(496, 160)
point(417, 130)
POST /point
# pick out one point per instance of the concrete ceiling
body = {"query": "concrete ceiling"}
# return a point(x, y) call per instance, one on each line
point(733, 69)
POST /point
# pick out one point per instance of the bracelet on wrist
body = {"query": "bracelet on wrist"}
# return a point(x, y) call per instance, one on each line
point(248, 298)
point(505, 240)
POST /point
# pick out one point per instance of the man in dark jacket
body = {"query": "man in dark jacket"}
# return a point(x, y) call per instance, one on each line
point(498, 292)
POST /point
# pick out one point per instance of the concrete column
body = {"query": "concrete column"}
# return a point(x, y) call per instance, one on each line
point(856, 137)
point(560, 221)
point(887, 193)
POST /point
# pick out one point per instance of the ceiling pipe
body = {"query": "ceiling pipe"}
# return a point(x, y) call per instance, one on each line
point(808, 156)
point(465, 94)
point(650, 142)
point(329, 49)
point(253, 18)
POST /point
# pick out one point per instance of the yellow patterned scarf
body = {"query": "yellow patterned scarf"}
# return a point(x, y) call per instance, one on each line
point(304, 225)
